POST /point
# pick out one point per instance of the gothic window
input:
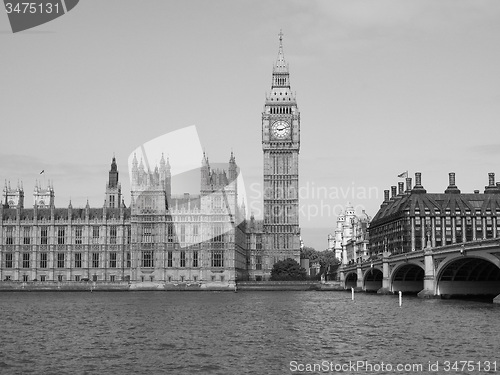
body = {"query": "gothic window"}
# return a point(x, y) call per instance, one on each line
point(78, 260)
point(147, 258)
point(195, 258)
point(170, 232)
point(112, 259)
point(169, 259)
point(112, 234)
point(78, 235)
point(129, 260)
point(147, 233)
point(9, 238)
point(183, 259)
point(95, 234)
point(9, 260)
point(60, 235)
point(258, 262)
point(26, 235)
point(95, 260)
point(217, 258)
point(217, 234)
point(258, 244)
point(26, 260)
point(43, 235)
point(60, 260)
point(43, 260)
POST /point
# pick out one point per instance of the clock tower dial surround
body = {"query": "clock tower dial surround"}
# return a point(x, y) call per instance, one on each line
point(281, 145)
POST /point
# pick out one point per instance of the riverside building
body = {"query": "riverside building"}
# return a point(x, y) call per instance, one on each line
point(410, 219)
point(161, 237)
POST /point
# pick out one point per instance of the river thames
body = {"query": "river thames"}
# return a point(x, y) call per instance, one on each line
point(243, 333)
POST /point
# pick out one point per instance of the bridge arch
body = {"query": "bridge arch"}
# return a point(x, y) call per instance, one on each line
point(372, 279)
point(351, 280)
point(408, 277)
point(462, 276)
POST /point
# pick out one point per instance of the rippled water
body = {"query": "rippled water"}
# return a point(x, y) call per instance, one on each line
point(236, 333)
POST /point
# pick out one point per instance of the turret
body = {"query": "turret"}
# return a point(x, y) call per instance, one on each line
point(205, 173)
point(113, 195)
point(13, 198)
point(233, 174)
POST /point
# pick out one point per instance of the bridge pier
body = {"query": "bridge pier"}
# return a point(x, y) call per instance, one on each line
point(386, 281)
point(359, 281)
point(429, 290)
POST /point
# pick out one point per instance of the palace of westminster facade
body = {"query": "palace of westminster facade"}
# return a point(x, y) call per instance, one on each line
point(164, 238)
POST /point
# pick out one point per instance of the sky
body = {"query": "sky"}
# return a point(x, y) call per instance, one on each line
point(383, 87)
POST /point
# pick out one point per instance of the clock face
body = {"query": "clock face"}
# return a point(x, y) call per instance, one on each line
point(281, 129)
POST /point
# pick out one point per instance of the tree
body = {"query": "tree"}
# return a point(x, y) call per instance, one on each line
point(287, 270)
point(327, 261)
point(309, 253)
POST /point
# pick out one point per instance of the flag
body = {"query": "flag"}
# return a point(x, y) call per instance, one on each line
point(43, 171)
point(403, 175)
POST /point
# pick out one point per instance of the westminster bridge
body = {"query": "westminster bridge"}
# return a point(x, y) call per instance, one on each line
point(466, 269)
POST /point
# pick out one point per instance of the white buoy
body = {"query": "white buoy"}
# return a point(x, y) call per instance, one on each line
point(400, 298)
point(352, 293)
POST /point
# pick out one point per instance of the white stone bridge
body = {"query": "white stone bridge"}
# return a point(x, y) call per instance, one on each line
point(465, 269)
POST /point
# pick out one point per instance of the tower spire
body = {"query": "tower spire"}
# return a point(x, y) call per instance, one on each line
point(281, 66)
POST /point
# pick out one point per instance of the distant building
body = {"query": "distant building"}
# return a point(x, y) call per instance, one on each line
point(412, 219)
point(350, 239)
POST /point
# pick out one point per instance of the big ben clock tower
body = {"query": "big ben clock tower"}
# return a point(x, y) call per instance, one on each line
point(281, 144)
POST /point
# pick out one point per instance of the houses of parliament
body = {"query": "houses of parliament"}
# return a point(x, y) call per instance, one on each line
point(200, 239)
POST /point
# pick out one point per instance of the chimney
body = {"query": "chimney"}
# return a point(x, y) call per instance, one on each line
point(393, 191)
point(408, 184)
point(386, 199)
point(418, 188)
point(401, 188)
point(418, 179)
point(452, 178)
point(452, 188)
point(492, 187)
